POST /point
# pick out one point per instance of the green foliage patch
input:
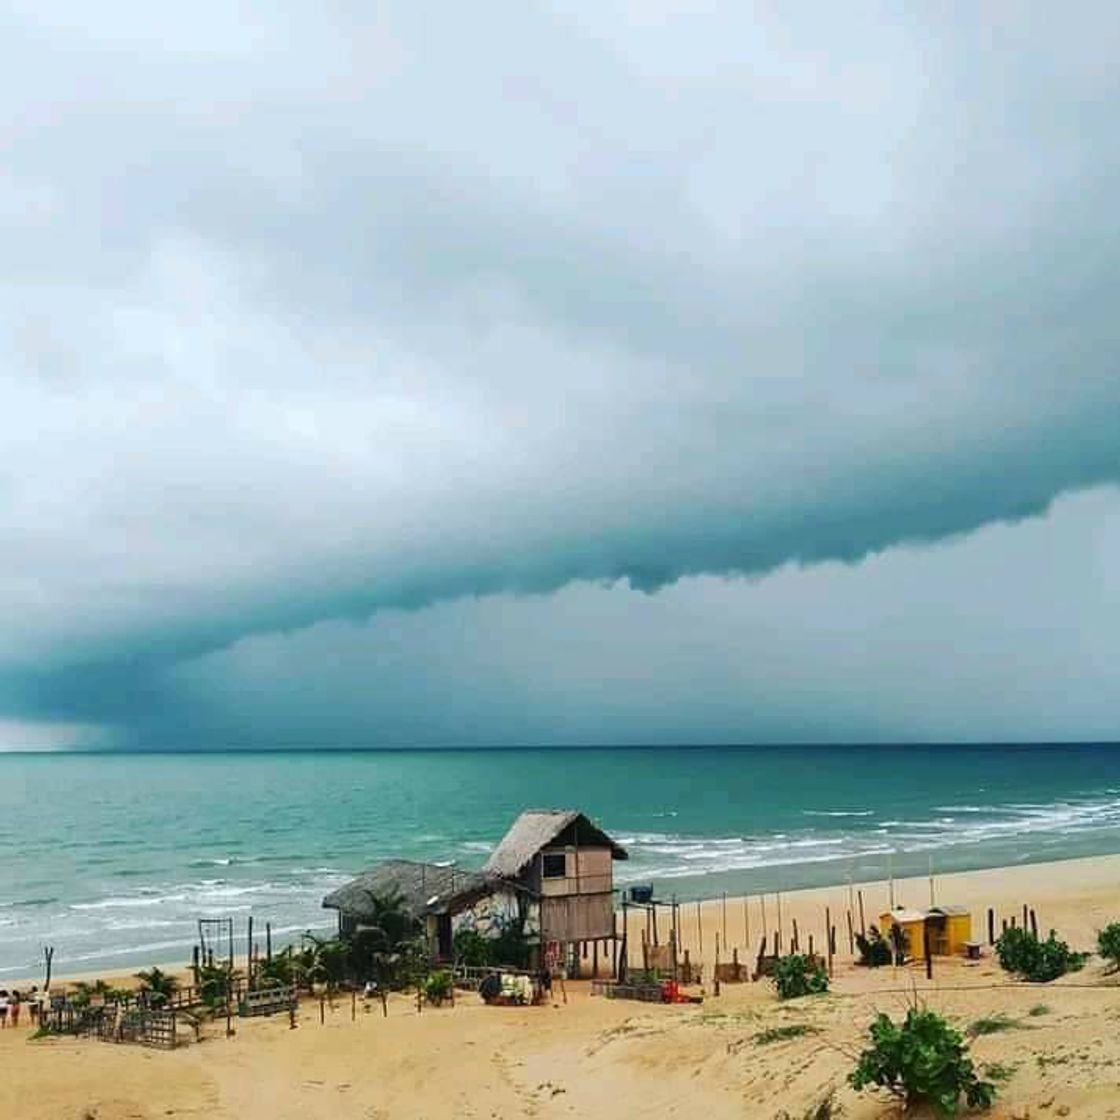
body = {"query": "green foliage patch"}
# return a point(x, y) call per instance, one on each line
point(923, 1061)
point(799, 975)
point(1020, 952)
point(1108, 945)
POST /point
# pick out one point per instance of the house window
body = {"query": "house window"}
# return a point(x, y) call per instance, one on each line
point(554, 865)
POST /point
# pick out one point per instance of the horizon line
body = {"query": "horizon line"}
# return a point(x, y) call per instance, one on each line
point(971, 744)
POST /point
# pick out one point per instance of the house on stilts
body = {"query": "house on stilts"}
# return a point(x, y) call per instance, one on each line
point(551, 877)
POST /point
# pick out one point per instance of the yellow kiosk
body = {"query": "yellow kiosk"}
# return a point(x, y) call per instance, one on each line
point(950, 930)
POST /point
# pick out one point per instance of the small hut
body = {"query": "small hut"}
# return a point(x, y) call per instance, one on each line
point(441, 897)
point(912, 923)
point(566, 862)
point(950, 930)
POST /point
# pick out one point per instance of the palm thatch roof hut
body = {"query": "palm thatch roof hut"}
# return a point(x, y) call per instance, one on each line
point(537, 829)
point(423, 888)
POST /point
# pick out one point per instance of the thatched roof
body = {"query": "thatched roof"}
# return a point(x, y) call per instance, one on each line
point(538, 828)
point(425, 888)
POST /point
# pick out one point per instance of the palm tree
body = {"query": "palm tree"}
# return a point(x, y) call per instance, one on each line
point(158, 984)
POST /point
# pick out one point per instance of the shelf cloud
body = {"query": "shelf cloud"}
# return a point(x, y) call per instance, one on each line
point(311, 316)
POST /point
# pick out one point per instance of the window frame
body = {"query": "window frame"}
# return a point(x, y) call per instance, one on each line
point(546, 857)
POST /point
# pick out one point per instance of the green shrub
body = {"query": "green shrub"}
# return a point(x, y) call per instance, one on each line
point(1108, 944)
point(799, 975)
point(874, 950)
point(1022, 953)
point(437, 987)
point(923, 1061)
point(471, 948)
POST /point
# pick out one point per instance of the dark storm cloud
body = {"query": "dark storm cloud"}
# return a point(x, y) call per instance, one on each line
point(313, 314)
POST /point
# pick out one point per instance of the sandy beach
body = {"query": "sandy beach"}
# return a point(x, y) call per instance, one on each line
point(588, 1056)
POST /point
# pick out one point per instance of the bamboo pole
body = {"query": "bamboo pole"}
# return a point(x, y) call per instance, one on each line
point(699, 928)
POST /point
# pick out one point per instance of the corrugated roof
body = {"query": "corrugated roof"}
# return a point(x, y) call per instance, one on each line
point(951, 911)
point(425, 888)
point(536, 829)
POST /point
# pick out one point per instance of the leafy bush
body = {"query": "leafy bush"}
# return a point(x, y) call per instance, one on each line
point(471, 948)
point(874, 950)
point(215, 982)
point(161, 986)
point(799, 975)
point(923, 1061)
point(1022, 953)
point(512, 946)
point(1108, 944)
point(277, 972)
point(437, 987)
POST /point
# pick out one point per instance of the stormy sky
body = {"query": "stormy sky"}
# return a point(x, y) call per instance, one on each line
point(416, 374)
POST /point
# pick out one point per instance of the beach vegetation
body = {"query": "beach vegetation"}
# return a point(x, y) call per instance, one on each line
point(215, 985)
point(159, 985)
point(784, 1033)
point(437, 987)
point(923, 1061)
point(1108, 945)
point(991, 1024)
point(323, 960)
point(799, 975)
point(874, 950)
point(998, 1071)
point(1038, 1010)
point(471, 948)
point(276, 971)
point(1021, 952)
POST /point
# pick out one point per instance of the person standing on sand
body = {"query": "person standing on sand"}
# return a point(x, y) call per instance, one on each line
point(3, 1008)
point(13, 1007)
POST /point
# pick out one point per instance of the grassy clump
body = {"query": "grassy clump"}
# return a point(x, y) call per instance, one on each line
point(991, 1024)
point(1021, 952)
point(799, 975)
point(997, 1071)
point(1038, 1011)
point(783, 1034)
point(923, 1061)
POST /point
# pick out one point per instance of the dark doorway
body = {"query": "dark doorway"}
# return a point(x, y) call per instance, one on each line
point(443, 935)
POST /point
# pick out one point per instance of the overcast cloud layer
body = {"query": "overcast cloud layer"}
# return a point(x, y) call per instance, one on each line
point(355, 308)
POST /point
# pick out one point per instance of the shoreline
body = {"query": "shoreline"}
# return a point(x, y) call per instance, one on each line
point(741, 929)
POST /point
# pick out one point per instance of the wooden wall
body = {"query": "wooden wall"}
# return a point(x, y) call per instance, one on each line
point(583, 917)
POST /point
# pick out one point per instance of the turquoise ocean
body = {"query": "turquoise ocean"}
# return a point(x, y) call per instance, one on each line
point(112, 858)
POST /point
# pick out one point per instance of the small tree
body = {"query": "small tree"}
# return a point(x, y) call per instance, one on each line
point(437, 987)
point(158, 984)
point(1108, 945)
point(923, 1061)
point(799, 975)
point(874, 949)
point(471, 948)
